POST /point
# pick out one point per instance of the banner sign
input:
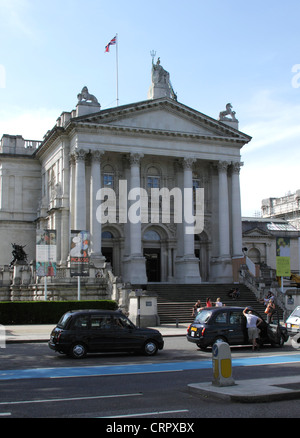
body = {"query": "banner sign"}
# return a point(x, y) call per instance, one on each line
point(79, 253)
point(283, 265)
point(46, 253)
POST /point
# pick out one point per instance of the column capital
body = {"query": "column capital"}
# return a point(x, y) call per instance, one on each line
point(236, 166)
point(135, 158)
point(188, 162)
point(96, 155)
point(222, 166)
point(80, 154)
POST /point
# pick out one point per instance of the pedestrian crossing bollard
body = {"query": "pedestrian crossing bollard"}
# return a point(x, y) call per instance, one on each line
point(222, 365)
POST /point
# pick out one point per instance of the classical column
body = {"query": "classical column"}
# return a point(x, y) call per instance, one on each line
point(66, 204)
point(187, 267)
point(135, 228)
point(65, 236)
point(95, 225)
point(80, 190)
point(236, 210)
point(134, 264)
point(188, 239)
point(224, 246)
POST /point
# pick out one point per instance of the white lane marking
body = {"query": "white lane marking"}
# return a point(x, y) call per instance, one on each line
point(147, 413)
point(22, 402)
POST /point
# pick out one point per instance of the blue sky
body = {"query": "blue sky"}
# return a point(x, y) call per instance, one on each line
point(215, 51)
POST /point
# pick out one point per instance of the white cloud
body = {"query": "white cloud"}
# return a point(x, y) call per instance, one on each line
point(32, 124)
point(271, 159)
point(271, 120)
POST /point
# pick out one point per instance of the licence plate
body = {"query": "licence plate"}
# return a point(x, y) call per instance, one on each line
point(193, 329)
point(295, 326)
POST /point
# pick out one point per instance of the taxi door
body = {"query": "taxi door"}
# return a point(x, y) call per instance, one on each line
point(237, 331)
point(126, 334)
point(101, 333)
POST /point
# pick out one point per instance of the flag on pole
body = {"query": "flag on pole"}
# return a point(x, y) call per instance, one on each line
point(111, 43)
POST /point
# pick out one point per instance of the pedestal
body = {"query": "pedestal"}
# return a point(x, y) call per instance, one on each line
point(143, 309)
point(135, 270)
point(221, 268)
point(18, 273)
point(187, 270)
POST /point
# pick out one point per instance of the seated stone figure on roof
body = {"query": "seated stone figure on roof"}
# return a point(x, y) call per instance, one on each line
point(85, 96)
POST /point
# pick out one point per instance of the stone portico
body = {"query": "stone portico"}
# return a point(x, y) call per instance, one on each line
point(158, 143)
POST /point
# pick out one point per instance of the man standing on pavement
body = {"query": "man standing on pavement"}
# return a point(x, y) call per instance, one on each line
point(252, 326)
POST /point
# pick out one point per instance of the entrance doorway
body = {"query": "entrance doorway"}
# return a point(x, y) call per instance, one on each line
point(152, 256)
point(108, 254)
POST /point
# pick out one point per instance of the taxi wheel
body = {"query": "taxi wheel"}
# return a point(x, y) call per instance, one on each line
point(150, 348)
point(78, 350)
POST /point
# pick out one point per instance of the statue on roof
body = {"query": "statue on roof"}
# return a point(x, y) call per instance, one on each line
point(161, 84)
point(85, 96)
point(228, 112)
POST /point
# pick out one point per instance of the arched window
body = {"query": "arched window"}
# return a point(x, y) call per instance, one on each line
point(107, 235)
point(151, 235)
point(108, 176)
point(153, 178)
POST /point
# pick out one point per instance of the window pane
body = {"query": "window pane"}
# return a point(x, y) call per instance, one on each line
point(221, 318)
point(151, 235)
point(235, 318)
point(153, 182)
point(108, 180)
point(100, 322)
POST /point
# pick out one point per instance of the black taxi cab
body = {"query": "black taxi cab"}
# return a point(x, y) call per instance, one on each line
point(94, 331)
point(229, 325)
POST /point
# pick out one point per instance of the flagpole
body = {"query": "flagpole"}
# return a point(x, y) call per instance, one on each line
point(117, 66)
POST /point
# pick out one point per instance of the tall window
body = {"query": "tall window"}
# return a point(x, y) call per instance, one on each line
point(153, 182)
point(108, 180)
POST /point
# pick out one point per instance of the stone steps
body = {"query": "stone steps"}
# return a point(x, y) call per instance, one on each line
point(175, 302)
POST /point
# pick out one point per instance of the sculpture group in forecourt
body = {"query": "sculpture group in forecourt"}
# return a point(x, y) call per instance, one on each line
point(19, 255)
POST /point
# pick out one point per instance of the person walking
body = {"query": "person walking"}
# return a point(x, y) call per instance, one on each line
point(270, 309)
point(253, 322)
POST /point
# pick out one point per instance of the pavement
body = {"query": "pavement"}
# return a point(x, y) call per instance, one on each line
point(246, 391)
point(41, 333)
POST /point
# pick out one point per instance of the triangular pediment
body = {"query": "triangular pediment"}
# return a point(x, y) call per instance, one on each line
point(163, 116)
point(256, 232)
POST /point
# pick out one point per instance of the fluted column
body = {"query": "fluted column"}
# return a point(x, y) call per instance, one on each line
point(236, 210)
point(188, 239)
point(134, 264)
point(80, 190)
point(135, 227)
point(187, 266)
point(224, 246)
point(95, 225)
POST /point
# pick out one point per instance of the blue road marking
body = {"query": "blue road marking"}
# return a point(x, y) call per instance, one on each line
point(48, 373)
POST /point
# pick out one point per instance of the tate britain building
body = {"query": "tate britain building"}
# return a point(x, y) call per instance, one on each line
point(112, 173)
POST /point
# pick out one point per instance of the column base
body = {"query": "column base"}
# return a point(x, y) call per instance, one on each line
point(134, 270)
point(221, 269)
point(187, 270)
point(97, 260)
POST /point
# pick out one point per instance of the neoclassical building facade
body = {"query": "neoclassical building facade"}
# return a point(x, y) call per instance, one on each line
point(96, 169)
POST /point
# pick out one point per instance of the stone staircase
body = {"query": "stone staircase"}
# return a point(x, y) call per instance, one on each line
point(175, 301)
